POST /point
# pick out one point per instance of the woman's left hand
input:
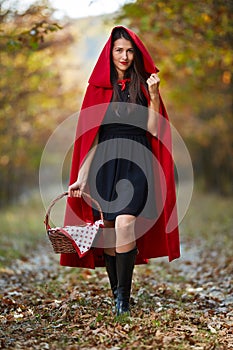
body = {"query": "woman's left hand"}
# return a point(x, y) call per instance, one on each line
point(153, 86)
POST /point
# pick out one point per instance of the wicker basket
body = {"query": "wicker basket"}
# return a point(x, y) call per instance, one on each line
point(61, 241)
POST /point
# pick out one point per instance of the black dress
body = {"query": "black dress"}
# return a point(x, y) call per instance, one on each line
point(121, 176)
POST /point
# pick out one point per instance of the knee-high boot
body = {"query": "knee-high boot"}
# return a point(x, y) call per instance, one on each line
point(124, 266)
point(110, 263)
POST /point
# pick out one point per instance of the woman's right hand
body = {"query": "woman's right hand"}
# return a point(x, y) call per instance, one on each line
point(76, 189)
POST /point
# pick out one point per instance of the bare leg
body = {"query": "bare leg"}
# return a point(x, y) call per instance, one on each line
point(125, 236)
point(109, 238)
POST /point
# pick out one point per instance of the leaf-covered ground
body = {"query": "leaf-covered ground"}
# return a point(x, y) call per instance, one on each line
point(186, 304)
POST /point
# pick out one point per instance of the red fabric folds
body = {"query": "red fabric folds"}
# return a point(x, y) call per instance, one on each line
point(123, 82)
point(162, 239)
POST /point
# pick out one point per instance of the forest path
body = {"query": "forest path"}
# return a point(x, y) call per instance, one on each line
point(186, 304)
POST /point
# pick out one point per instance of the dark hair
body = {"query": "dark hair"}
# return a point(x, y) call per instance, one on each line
point(136, 72)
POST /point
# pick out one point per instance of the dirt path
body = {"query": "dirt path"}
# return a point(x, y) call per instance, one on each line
point(183, 305)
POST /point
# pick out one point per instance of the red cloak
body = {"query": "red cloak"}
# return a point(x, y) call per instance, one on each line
point(162, 239)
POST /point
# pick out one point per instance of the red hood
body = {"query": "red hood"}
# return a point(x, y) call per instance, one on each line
point(101, 77)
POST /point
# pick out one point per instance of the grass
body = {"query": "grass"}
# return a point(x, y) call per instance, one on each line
point(209, 219)
point(22, 229)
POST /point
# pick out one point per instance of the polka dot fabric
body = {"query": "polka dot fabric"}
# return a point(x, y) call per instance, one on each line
point(82, 237)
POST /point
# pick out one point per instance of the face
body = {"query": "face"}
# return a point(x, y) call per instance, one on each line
point(122, 56)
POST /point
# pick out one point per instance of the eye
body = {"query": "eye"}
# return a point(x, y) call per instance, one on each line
point(131, 50)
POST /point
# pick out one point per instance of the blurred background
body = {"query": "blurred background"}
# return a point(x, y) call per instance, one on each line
point(48, 49)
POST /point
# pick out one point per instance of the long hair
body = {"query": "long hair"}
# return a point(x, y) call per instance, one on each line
point(136, 72)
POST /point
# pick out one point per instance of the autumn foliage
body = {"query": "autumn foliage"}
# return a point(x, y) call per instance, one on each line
point(191, 42)
point(32, 97)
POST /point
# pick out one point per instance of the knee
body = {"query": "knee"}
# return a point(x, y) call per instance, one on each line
point(125, 237)
point(125, 222)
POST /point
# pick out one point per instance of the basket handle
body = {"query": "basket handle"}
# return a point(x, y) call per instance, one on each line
point(84, 194)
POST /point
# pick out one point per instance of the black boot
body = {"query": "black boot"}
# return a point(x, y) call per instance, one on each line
point(124, 265)
point(110, 262)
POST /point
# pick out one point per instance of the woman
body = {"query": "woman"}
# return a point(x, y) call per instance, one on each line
point(125, 76)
